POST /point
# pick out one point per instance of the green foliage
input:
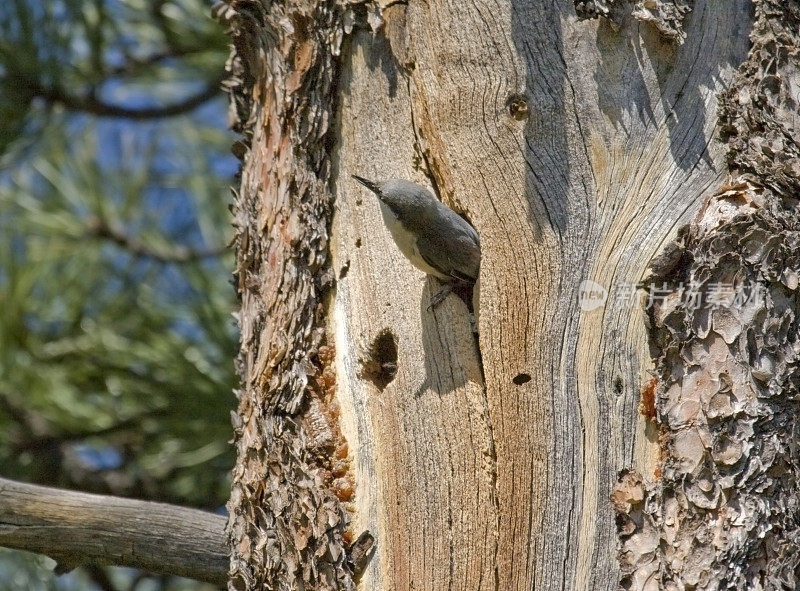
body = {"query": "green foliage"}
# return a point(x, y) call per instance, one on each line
point(95, 55)
point(22, 571)
point(99, 340)
point(116, 333)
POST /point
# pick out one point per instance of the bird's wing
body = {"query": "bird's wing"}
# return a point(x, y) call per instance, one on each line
point(457, 257)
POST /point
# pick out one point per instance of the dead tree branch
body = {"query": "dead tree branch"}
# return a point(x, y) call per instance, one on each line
point(77, 528)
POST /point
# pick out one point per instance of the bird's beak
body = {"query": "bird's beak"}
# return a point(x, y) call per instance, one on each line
point(368, 184)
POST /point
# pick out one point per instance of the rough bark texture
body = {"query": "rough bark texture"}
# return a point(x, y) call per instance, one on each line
point(760, 113)
point(288, 520)
point(78, 529)
point(721, 509)
point(665, 15)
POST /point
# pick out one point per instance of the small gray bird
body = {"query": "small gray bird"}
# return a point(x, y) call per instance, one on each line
point(431, 235)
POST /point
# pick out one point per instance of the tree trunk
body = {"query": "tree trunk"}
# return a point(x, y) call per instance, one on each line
point(578, 149)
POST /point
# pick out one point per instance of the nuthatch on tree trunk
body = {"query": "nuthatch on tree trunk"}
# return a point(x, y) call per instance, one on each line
point(431, 235)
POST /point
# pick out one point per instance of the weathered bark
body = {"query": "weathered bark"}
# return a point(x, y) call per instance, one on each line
point(287, 518)
point(78, 529)
point(722, 509)
point(577, 149)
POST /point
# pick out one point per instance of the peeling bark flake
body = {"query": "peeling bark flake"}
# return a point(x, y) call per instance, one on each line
point(289, 510)
point(760, 112)
point(725, 509)
point(665, 15)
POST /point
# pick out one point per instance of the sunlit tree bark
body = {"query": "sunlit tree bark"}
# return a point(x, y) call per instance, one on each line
point(578, 147)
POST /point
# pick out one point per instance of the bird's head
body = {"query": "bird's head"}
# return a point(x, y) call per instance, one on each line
point(401, 196)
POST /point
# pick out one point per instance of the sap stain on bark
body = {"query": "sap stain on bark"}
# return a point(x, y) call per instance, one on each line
point(647, 402)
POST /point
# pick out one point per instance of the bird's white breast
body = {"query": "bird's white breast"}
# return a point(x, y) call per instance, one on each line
point(407, 242)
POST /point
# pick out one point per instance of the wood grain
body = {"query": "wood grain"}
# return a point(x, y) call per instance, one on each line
point(422, 445)
point(577, 151)
point(77, 528)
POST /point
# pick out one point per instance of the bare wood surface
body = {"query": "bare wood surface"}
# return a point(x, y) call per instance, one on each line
point(77, 528)
point(422, 446)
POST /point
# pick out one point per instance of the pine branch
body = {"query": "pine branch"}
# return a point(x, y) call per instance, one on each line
point(134, 64)
point(95, 106)
point(100, 229)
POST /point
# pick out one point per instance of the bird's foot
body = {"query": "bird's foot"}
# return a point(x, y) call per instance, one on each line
point(439, 297)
